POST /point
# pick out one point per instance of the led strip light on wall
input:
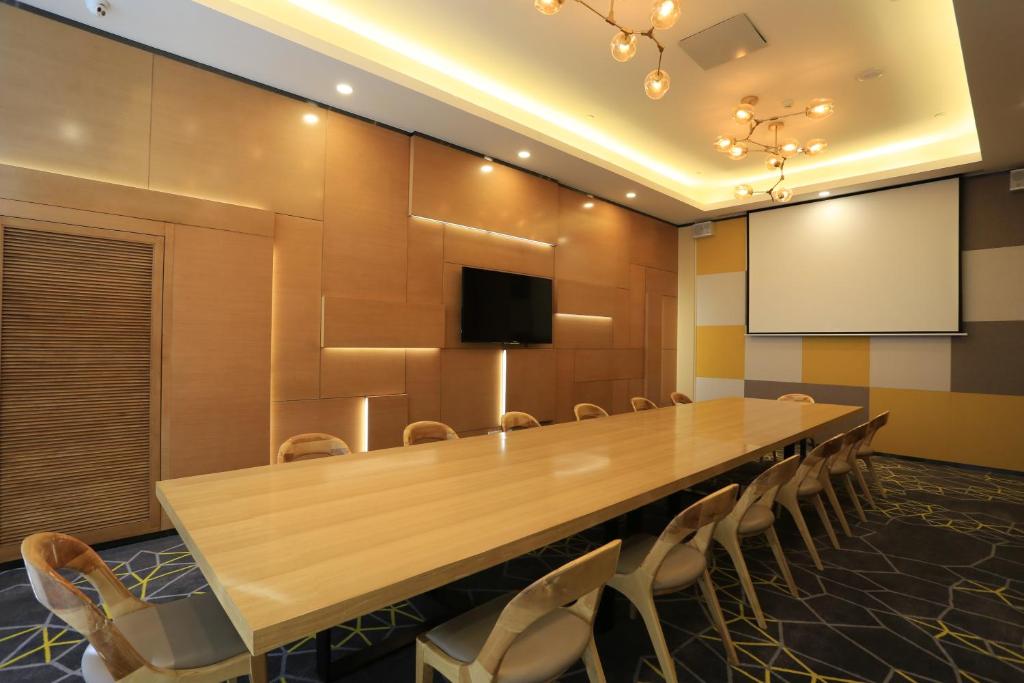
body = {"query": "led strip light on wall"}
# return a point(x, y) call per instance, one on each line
point(487, 232)
point(584, 316)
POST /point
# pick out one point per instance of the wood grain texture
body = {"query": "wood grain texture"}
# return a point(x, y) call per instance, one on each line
point(221, 139)
point(653, 243)
point(494, 252)
point(295, 327)
point(91, 122)
point(342, 417)
point(530, 382)
point(582, 298)
point(470, 379)
point(426, 262)
point(362, 372)
point(447, 185)
point(593, 244)
point(363, 323)
point(387, 417)
point(423, 383)
point(573, 332)
point(272, 541)
point(594, 364)
point(217, 352)
point(366, 209)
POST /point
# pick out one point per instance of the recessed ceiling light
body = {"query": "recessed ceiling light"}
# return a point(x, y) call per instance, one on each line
point(631, 195)
point(939, 114)
point(870, 74)
point(524, 154)
point(486, 168)
point(588, 205)
point(824, 193)
point(344, 88)
point(310, 118)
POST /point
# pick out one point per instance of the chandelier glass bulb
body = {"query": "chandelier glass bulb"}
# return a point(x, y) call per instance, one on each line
point(724, 142)
point(782, 194)
point(743, 113)
point(665, 13)
point(789, 148)
point(623, 46)
point(657, 84)
point(815, 146)
point(820, 108)
point(738, 151)
point(774, 162)
point(548, 7)
point(743, 191)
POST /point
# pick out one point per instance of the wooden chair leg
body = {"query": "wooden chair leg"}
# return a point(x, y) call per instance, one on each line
point(859, 473)
point(424, 672)
point(258, 669)
point(732, 546)
point(773, 541)
point(848, 483)
point(825, 521)
point(649, 613)
point(830, 491)
point(707, 587)
point(595, 673)
point(801, 525)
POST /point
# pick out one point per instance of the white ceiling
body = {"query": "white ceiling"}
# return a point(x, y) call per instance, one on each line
point(496, 77)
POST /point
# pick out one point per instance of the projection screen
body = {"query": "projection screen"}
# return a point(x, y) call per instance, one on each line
point(883, 262)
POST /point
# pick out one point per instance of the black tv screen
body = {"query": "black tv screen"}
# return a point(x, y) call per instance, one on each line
point(505, 307)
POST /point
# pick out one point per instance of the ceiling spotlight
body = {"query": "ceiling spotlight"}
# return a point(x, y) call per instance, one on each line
point(344, 89)
point(870, 74)
point(665, 14)
point(548, 7)
point(524, 154)
point(820, 108)
point(743, 191)
point(623, 46)
point(631, 195)
point(824, 193)
point(486, 168)
point(657, 83)
point(588, 205)
point(310, 118)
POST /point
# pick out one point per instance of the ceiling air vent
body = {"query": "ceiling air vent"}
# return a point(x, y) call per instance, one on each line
point(725, 41)
point(1017, 180)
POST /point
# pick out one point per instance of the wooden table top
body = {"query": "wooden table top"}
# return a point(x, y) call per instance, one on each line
point(293, 549)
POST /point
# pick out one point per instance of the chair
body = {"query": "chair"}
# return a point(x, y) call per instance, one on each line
point(530, 637)
point(427, 431)
point(189, 639)
point(808, 482)
point(677, 559)
point(310, 446)
point(844, 465)
point(679, 398)
point(588, 411)
point(797, 398)
point(753, 515)
point(866, 450)
point(515, 420)
point(640, 403)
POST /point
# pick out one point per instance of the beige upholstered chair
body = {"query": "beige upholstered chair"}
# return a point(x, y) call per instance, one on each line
point(808, 482)
point(531, 637)
point(753, 515)
point(844, 465)
point(866, 450)
point(427, 431)
point(310, 446)
point(797, 398)
point(679, 398)
point(640, 403)
point(515, 420)
point(677, 559)
point(190, 639)
point(588, 411)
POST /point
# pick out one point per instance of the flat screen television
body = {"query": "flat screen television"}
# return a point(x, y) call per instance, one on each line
point(505, 307)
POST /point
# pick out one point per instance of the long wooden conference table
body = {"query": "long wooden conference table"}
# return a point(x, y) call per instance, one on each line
point(290, 550)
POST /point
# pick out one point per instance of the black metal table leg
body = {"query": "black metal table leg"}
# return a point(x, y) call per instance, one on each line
point(323, 655)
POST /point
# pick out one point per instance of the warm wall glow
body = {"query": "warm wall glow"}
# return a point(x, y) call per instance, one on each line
point(586, 317)
point(502, 384)
point(365, 442)
point(487, 232)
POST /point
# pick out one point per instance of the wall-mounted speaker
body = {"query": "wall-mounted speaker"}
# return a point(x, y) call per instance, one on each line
point(1017, 179)
point(705, 229)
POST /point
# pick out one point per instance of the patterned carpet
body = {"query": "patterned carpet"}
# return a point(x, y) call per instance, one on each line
point(930, 588)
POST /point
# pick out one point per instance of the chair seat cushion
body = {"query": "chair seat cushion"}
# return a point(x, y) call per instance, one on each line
point(839, 467)
point(809, 486)
point(183, 634)
point(757, 519)
point(542, 652)
point(682, 566)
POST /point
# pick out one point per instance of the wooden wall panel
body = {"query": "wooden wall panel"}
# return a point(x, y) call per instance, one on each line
point(564, 370)
point(91, 122)
point(581, 298)
point(654, 243)
point(362, 372)
point(423, 383)
point(637, 306)
point(342, 417)
point(295, 337)
point(221, 139)
point(426, 262)
point(363, 323)
point(387, 417)
point(217, 352)
point(447, 185)
point(494, 252)
point(622, 319)
point(530, 382)
point(594, 364)
point(593, 244)
point(575, 332)
point(600, 392)
point(470, 379)
point(365, 210)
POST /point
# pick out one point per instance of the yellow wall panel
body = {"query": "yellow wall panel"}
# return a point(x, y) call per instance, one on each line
point(920, 422)
point(988, 429)
point(726, 250)
point(720, 351)
point(837, 360)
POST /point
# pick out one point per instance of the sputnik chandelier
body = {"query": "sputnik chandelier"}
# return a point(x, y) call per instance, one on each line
point(664, 15)
point(779, 150)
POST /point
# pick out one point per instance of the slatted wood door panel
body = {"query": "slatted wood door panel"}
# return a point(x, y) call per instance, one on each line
point(80, 316)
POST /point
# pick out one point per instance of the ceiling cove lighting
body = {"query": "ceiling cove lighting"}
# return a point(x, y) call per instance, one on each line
point(777, 151)
point(485, 231)
point(664, 15)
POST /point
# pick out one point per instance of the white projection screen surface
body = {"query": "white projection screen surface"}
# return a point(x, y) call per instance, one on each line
point(884, 262)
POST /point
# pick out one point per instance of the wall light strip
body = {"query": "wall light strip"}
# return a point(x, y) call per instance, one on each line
point(502, 384)
point(366, 424)
point(381, 348)
point(580, 315)
point(488, 232)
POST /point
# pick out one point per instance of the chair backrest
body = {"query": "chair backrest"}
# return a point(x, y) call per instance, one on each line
point(813, 466)
point(876, 423)
point(853, 440)
point(588, 411)
point(640, 403)
point(698, 521)
point(797, 398)
point(426, 431)
point(680, 398)
point(580, 581)
point(310, 446)
point(766, 485)
point(515, 419)
point(47, 553)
